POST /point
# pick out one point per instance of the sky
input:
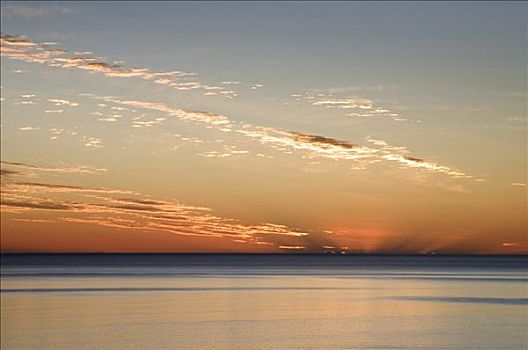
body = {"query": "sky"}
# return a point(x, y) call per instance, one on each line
point(345, 127)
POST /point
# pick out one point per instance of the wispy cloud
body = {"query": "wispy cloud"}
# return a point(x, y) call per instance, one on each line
point(60, 102)
point(108, 207)
point(26, 99)
point(288, 141)
point(28, 128)
point(285, 141)
point(401, 155)
point(19, 48)
point(354, 106)
point(291, 247)
point(29, 187)
point(7, 172)
point(45, 205)
point(225, 151)
point(64, 169)
point(141, 122)
point(321, 141)
point(33, 220)
point(320, 146)
point(92, 142)
point(196, 116)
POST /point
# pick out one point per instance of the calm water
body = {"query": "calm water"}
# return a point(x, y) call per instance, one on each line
point(263, 302)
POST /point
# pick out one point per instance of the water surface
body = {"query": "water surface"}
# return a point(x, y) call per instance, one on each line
point(215, 301)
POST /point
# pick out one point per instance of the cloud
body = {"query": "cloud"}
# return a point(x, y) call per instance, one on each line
point(87, 141)
point(18, 48)
point(358, 107)
point(316, 145)
point(140, 201)
point(33, 220)
point(60, 103)
point(337, 149)
point(28, 128)
point(136, 207)
point(7, 172)
point(285, 141)
point(321, 141)
point(139, 122)
point(29, 187)
point(289, 247)
point(344, 103)
point(196, 116)
point(226, 151)
point(412, 159)
point(518, 184)
point(65, 169)
point(12, 40)
point(38, 205)
point(135, 212)
point(400, 155)
point(92, 142)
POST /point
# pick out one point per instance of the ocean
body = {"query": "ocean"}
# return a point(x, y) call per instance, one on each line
point(263, 301)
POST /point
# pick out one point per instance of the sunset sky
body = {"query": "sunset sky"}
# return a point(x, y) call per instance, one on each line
point(264, 127)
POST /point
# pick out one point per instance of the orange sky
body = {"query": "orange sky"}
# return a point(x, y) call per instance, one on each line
point(178, 140)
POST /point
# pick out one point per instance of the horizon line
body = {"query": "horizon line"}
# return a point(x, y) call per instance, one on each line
point(266, 253)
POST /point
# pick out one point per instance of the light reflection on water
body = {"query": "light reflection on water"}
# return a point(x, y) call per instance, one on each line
point(260, 308)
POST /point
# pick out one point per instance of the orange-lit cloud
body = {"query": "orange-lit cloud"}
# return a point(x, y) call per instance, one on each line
point(60, 102)
point(292, 247)
point(18, 48)
point(316, 145)
point(80, 169)
point(286, 141)
point(356, 107)
point(110, 208)
point(28, 128)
